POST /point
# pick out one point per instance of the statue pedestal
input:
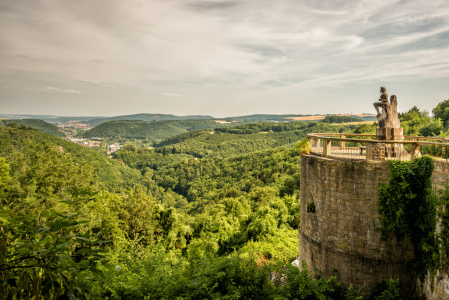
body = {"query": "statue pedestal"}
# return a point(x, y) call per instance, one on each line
point(389, 134)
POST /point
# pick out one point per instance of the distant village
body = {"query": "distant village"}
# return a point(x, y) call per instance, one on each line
point(94, 142)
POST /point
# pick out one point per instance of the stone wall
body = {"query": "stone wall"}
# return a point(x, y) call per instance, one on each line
point(339, 233)
point(341, 237)
point(440, 289)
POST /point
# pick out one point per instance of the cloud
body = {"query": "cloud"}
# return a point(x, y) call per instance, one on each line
point(220, 49)
point(52, 89)
point(97, 83)
point(171, 95)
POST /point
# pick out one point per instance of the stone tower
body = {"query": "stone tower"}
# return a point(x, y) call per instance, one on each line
point(339, 234)
point(339, 231)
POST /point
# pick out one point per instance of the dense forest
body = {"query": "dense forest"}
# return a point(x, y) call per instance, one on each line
point(37, 124)
point(340, 119)
point(147, 118)
point(204, 214)
point(154, 131)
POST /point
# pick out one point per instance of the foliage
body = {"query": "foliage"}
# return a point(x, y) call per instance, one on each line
point(442, 111)
point(41, 175)
point(47, 257)
point(4, 171)
point(340, 119)
point(386, 290)
point(408, 210)
point(35, 124)
point(113, 175)
point(300, 127)
point(413, 120)
point(145, 117)
point(435, 128)
point(134, 129)
point(213, 227)
point(366, 128)
point(155, 131)
point(303, 146)
point(442, 196)
point(161, 275)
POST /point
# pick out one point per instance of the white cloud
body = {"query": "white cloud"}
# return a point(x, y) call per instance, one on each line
point(171, 95)
point(219, 49)
point(52, 89)
point(97, 83)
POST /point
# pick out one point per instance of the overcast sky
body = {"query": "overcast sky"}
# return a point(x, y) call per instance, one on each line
point(220, 58)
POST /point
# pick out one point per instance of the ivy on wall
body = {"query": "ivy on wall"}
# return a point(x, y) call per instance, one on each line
point(442, 196)
point(408, 208)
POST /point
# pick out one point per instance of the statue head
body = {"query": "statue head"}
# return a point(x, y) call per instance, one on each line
point(382, 89)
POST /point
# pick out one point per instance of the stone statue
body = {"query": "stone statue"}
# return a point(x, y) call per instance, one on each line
point(388, 126)
point(383, 99)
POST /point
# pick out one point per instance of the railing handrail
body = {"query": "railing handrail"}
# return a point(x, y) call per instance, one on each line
point(375, 149)
point(411, 139)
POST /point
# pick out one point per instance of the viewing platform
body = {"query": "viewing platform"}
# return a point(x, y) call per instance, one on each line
point(367, 147)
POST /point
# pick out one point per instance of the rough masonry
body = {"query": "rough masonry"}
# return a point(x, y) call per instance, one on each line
point(339, 234)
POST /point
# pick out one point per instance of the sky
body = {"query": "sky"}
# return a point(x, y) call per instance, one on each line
point(220, 58)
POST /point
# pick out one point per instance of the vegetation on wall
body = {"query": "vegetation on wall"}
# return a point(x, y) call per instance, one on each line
point(304, 146)
point(408, 209)
point(442, 198)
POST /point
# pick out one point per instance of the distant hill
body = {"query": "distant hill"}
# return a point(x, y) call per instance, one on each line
point(134, 129)
point(94, 121)
point(340, 119)
point(149, 130)
point(48, 118)
point(37, 124)
point(221, 143)
point(113, 175)
point(147, 117)
point(262, 118)
point(246, 138)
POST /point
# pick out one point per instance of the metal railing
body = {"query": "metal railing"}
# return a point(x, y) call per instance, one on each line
point(366, 147)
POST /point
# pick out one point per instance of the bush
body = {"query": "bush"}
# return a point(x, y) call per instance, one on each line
point(304, 146)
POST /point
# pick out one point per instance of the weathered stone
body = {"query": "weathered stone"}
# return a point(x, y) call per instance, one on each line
point(341, 238)
point(388, 124)
point(351, 243)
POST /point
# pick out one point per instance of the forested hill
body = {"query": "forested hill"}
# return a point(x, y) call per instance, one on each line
point(112, 174)
point(208, 215)
point(236, 140)
point(149, 130)
point(37, 124)
point(148, 118)
point(340, 119)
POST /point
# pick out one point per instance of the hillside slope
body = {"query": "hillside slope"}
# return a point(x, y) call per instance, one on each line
point(160, 130)
point(113, 175)
point(147, 118)
point(37, 124)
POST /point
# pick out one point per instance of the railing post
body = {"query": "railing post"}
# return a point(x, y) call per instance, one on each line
point(413, 148)
point(342, 143)
point(327, 144)
point(369, 150)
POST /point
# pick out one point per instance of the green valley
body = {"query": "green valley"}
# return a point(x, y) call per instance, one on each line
point(210, 211)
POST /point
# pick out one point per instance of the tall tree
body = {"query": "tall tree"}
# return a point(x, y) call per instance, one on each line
point(442, 111)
